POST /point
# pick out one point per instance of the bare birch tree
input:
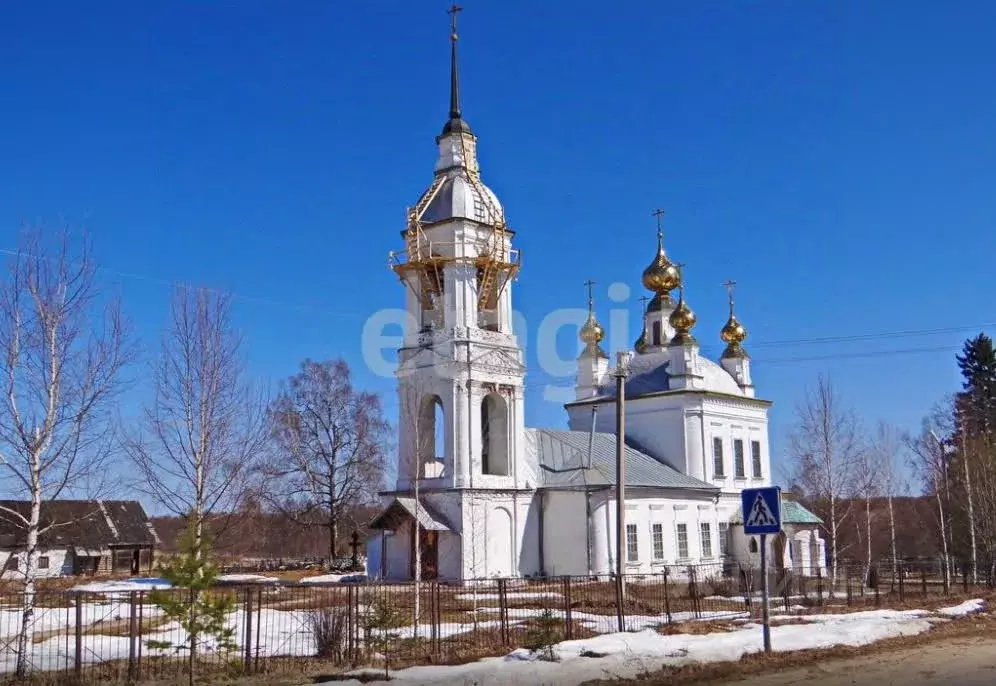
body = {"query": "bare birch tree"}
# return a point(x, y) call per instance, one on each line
point(966, 456)
point(205, 428)
point(886, 448)
point(419, 451)
point(64, 346)
point(827, 449)
point(929, 459)
point(331, 447)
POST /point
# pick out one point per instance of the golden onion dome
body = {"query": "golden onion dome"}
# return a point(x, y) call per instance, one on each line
point(591, 332)
point(641, 343)
point(682, 319)
point(661, 276)
point(733, 331)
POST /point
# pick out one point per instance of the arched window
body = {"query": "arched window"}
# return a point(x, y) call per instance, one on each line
point(487, 315)
point(655, 335)
point(439, 429)
point(494, 435)
point(753, 545)
point(431, 432)
point(432, 286)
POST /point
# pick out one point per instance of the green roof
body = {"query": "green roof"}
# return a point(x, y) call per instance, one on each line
point(792, 513)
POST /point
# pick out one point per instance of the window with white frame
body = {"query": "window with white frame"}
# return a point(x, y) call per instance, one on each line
point(739, 468)
point(724, 534)
point(755, 458)
point(717, 458)
point(705, 537)
point(632, 545)
point(682, 530)
point(657, 535)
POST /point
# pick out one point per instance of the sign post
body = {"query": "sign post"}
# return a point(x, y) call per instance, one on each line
point(762, 512)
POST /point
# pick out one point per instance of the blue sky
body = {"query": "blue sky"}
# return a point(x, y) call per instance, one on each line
point(836, 159)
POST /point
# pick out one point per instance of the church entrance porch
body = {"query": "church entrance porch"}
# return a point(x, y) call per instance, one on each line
point(429, 542)
point(402, 525)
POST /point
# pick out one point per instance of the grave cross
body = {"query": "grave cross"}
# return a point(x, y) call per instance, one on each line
point(354, 543)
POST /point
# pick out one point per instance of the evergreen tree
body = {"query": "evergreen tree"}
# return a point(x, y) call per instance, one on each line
point(977, 401)
point(973, 448)
point(201, 614)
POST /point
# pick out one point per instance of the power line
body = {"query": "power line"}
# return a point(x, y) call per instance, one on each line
point(212, 289)
point(816, 340)
point(872, 336)
point(791, 360)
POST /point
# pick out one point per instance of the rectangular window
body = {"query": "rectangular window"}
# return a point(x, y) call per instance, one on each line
point(682, 541)
point(724, 533)
point(717, 458)
point(755, 458)
point(43, 562)
point(740, 469)
point(11, 563)
point(632, 547)
point(706, 538)
point(658, 536)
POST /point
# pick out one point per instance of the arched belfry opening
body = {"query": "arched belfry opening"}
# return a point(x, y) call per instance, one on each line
point(494, 435)
point(431, 434)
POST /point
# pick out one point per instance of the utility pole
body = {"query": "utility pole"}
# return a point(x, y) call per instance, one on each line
point(622, 363)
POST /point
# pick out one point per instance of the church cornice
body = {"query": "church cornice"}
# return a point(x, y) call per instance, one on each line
point(714, 395)
point(434, 490)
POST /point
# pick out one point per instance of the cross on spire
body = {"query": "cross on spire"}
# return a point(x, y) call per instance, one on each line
point(731, 286)
point(453, 11)
point(455, 124)
point(591, 298)
point(454, 71)
point(659, 213)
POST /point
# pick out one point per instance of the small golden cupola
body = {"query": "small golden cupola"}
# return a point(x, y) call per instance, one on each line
point(683, 320)
point(592, 333)
point(661, 276)
point(733, 332)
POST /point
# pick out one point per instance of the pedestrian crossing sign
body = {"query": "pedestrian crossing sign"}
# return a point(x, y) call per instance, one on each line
point(762, 510)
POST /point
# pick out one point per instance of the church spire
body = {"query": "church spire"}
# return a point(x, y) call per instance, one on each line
point(733, 332)
point(661, 276)
point(455, 124)
point(592, 333)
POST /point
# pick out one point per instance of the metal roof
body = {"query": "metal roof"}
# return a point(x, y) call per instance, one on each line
point(403, 505)
point(792, 513)
point(562, 458)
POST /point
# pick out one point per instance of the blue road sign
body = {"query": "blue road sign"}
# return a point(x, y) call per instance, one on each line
point(762, 510)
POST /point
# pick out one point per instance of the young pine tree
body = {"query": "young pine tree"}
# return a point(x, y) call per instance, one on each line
point(201, 614)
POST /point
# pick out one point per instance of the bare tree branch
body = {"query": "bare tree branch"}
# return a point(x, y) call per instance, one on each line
point(64, 345)
point(331, 447)
point(828, 448)
point(205, 428)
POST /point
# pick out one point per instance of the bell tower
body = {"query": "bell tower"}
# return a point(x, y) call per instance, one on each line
point(460, 370)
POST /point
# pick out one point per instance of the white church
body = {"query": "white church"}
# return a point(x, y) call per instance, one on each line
point(482, 495)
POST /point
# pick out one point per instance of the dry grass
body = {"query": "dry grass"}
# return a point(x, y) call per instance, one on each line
point(697, 628)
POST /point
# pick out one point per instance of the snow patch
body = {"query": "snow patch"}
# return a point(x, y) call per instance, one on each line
point(966, 608)
point(627, 655)
point(247, 579)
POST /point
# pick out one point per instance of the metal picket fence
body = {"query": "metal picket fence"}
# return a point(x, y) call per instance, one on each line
point(107, 637)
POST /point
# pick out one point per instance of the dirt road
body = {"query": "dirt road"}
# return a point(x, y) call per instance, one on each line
point(964, 661)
